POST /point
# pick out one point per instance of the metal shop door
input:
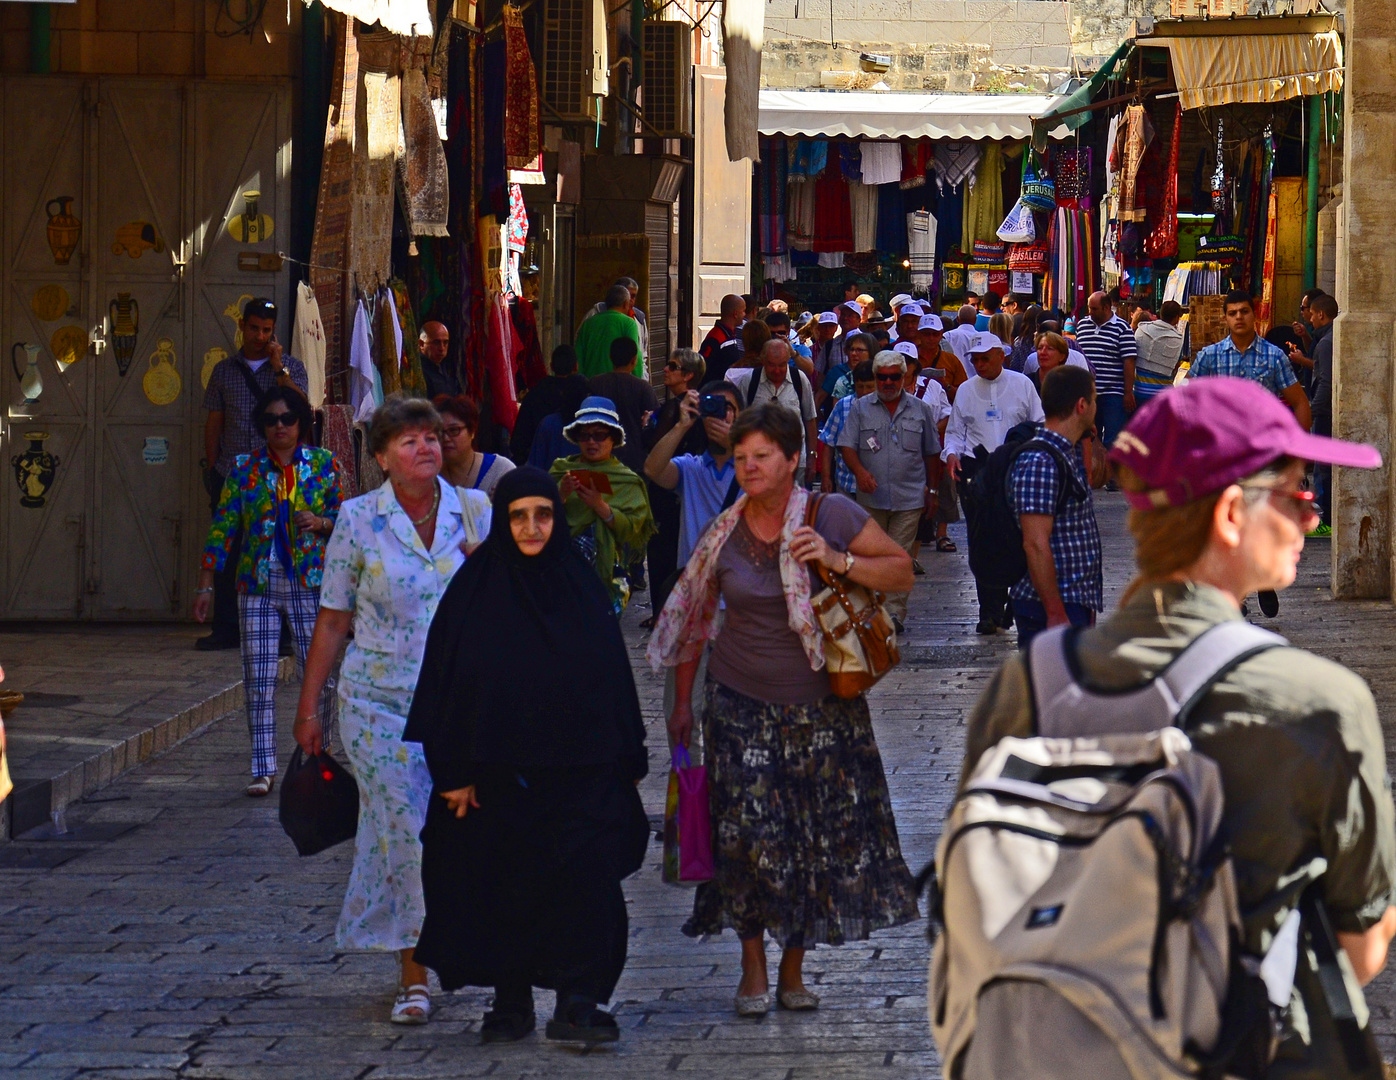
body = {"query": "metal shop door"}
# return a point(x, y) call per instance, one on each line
point(116, 195)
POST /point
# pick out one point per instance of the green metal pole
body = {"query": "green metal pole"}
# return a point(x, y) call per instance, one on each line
point(40, 40)
point(1311, 214)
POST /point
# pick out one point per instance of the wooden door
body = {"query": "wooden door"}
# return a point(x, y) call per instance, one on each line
point(722, 206)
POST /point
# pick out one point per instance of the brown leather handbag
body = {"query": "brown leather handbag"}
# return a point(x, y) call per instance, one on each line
point(860, 645)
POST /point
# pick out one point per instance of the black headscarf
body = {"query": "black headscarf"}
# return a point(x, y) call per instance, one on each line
point(525, 664)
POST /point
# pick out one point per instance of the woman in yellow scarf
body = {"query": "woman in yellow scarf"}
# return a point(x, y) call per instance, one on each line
point(608, 509)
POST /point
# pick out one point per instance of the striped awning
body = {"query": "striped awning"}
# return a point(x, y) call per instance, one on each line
point(1221, 70)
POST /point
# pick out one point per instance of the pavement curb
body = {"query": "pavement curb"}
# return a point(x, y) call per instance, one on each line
point(33, 803)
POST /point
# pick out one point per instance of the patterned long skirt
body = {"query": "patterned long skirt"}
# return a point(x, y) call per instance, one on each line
point(805, 846)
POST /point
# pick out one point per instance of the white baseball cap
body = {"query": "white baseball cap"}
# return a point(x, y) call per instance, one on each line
point(828, 317)
point(911, 308)
point(900, 299)
point(906, 348)
point(853, 306)
point(985, 342)
point(930, 322)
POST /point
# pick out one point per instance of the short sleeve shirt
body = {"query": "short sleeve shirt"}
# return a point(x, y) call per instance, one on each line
point(756, 653)
point(1107, 346)
point(229, 394)
point(844, 479)
point(1261, 362)
point(800, 402)
point(893, 447)
point(702, 489)
point(1035, 487)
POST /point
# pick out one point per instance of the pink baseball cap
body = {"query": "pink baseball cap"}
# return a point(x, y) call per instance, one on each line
point(1196, 439)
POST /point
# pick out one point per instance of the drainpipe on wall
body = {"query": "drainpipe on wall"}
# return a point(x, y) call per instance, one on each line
point(310, 135)
point(1311, 214)
point(40, 40)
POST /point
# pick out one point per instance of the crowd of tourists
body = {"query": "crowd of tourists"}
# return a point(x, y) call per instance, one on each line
point(788, 463)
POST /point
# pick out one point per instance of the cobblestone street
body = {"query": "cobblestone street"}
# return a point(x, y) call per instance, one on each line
point(174, 933)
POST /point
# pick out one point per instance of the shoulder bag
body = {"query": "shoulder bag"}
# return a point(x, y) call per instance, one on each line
point(860, 645)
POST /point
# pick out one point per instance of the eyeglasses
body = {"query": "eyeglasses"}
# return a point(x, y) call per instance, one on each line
point(594, 435)
point(890, 376)
point(455, 431)
point(279, 419)
point(1298, 505)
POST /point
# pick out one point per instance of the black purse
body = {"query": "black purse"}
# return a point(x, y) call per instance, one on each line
point(319, 803)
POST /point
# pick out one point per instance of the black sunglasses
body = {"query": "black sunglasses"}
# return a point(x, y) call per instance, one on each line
point(889, 376)
point(280, 419)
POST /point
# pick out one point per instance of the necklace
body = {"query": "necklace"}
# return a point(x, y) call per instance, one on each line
point(750, 524)
point(436, 500)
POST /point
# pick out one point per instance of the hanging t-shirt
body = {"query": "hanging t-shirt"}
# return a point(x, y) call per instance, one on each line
point(882, 161)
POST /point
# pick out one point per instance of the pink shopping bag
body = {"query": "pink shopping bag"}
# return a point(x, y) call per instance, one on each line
point(688, 842)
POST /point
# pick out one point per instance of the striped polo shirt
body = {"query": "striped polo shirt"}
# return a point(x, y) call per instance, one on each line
point(1107, 347)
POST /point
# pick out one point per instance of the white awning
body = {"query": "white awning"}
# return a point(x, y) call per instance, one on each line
point(890, 115)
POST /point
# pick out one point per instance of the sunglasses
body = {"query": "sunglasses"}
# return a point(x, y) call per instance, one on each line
point(279, 419)
point(594, 435)
point(672, 365)
point(890, 376)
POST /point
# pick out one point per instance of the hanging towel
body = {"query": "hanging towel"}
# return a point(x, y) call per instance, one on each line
point(863, 201)
point(363, 376)
point(882, 161)
point(308, 342)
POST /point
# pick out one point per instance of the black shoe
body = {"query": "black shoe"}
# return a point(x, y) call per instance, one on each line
point(916, 568)
point(1006, 619)
point(215, 641)
point(898, 626)
point(285, 648)
point(648, 624)
point(987, 627)
point(1269, 602)
point(582, 1021)
point(507, 1025)
point(638, 583)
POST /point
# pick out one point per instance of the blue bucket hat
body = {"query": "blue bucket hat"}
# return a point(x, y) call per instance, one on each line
point(596, 410)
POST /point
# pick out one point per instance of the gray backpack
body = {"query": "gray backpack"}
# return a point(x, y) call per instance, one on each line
point(1090, 924)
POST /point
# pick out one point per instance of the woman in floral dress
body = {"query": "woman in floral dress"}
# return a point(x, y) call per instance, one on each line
point(391, 557)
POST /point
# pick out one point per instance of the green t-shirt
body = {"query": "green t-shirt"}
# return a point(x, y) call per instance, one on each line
point(594, 339)
point(1303, 770)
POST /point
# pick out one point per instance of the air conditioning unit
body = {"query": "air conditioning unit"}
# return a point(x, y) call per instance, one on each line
point(574, 57)
point(668, 78)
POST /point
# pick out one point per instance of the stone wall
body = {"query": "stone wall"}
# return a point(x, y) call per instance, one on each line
point(943, 45)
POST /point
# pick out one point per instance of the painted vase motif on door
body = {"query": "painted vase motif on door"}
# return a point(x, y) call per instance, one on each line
point(125, 315)
point(35, 470)
point(162, 383)
point(64, 228)
point(31, 383)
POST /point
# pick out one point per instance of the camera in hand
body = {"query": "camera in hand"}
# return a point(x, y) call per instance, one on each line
point(714, 405)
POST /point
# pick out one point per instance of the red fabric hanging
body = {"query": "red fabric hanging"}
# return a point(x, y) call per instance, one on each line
point(1163, 240)
point(833, 213)
point(501, 347)
point(528, 363)
point(523, 133)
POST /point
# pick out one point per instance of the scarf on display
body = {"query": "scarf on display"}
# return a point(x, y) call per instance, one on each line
point(1163, 240)
point(770, 213)
point(523, 132)
point(851, 160)
point(833, 213)
point(806, 158)
point(1072, 274)
point(422, 159)
point(375, 159)
point(917, 156)
point(689, 617)
point(1135, 138)
point(411, 378)
point(955, 163)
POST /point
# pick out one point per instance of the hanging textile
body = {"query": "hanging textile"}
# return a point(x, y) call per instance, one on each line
point(831, 260)
point(863, 205)
point(806, 158)
point(1071, 169)
point(1163, 240)
point(422, 161)
point(833, 219)
point(1265, 317)
point(850, 160)
point(777, 268)
point(770, 197)
point(514, 238)
point(375, 160)
point(338, 439)
point(955, 162)
point(523, 130)
point(799, 216)
point(308, 342)
point(882, 161)
point(891, 219)
point(529, 368)
point(921, 244)
point(412, 380)
point(387, 342)
point(361, 370)
point(984, 200)
point(917, 155)
point(1072, 274)
point(948, 214)
point(1138, 132)
point(499, 351)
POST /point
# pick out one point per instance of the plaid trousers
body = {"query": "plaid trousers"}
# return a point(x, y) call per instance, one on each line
point(259, 618)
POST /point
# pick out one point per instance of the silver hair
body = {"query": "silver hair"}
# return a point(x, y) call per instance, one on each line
point(629, 282)
point(690, 363)
point(887, 358)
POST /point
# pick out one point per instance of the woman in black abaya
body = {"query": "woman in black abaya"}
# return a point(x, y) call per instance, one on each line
point(527, 712)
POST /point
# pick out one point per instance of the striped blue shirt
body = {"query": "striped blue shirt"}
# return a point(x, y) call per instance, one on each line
point(1107, 347)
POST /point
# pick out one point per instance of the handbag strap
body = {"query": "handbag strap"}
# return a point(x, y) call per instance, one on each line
point(832, 580)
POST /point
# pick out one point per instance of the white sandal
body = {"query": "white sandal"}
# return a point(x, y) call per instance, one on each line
point(413, 1005)
point(261, 786)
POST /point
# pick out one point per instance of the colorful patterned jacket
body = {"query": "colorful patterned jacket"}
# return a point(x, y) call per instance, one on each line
point(249, 501)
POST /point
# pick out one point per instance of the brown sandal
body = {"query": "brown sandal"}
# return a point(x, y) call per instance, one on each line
point(944, 543)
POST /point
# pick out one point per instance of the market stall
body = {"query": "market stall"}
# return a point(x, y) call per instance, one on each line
point(897, 192)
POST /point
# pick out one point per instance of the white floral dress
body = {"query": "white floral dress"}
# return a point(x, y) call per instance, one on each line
point(377, 567)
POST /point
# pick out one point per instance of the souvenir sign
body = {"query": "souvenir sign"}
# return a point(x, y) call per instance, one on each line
point(251, 226)
point(50, 302)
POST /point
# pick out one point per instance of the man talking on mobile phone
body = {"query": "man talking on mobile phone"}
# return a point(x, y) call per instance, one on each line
point(234, 388)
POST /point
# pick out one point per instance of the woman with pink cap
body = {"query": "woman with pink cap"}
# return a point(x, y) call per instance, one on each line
point(1213, 473)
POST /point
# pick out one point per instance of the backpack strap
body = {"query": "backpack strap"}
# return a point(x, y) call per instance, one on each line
point(1065, 709)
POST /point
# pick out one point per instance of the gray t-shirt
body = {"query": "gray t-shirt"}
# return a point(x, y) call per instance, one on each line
point(756, 653)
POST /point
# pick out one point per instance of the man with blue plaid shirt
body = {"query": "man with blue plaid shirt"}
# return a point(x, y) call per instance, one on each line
point(1247, 355)
point(1061, 539)
point(834, 472)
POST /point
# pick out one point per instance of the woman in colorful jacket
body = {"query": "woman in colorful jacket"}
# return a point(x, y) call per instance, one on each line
point(285, 497)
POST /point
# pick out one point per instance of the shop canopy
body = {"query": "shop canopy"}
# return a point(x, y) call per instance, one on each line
point(1251, 68)
point(890, 115)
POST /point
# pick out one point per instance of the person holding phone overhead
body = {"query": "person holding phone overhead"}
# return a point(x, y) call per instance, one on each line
point(608, 509)
point(235, 387)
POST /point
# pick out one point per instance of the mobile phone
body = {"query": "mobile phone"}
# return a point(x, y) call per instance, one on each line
point(714, 405)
